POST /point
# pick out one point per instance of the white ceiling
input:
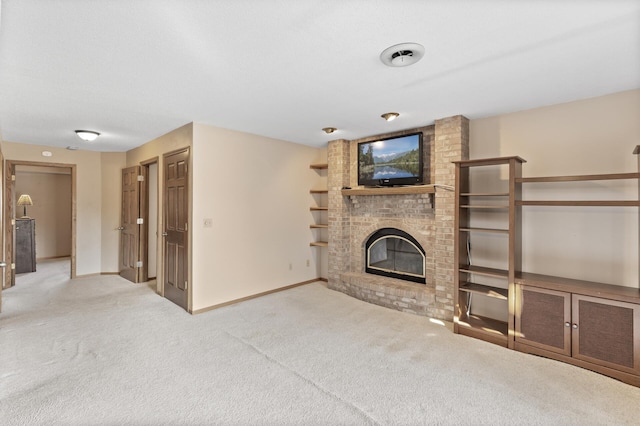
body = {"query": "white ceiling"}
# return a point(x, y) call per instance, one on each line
point(134, 70)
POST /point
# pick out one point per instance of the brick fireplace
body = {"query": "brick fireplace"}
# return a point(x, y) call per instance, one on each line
point(427, 218)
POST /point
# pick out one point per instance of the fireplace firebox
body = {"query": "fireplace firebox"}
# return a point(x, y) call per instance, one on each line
point(394, 253)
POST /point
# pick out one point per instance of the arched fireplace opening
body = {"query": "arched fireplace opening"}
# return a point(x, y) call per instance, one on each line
point(394, 253)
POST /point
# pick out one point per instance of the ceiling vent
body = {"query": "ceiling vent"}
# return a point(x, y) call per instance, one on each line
point(402, 55)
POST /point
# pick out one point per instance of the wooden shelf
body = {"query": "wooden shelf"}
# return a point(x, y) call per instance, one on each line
point(484, 194)
point(588, 288)
point(496, 207)
point(485, 290)
point(594, 203)
point(481, 270)
point(500, 204)
point(489, 161)
point(579, 203)
point(578, 178)
point(488, 329)
point(392, 190)
point(320, 200)
point(487, 230)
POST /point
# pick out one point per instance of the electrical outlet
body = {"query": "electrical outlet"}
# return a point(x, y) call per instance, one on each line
point(308, 263)
point(290, 266)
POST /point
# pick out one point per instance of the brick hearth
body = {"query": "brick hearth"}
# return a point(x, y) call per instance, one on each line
point(352, 219)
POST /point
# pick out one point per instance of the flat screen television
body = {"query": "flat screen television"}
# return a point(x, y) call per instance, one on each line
point(391, 161)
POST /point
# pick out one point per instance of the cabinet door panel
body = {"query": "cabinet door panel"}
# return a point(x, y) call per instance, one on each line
point(608, 333)
point(541, 318)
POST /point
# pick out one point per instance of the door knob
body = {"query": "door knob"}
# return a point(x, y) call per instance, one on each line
point(164, 234)
point(120, 228)
point(3, 264)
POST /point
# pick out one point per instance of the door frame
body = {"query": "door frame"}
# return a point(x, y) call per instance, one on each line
point(2, 236)
point(144, 213)
point(9, 209)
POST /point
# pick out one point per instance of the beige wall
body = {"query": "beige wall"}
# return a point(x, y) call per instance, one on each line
point(50, 192)
point(89, 199)
point(256, 191)
point(585, 137)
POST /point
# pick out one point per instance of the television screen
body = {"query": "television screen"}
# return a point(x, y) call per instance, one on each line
point(392, 161)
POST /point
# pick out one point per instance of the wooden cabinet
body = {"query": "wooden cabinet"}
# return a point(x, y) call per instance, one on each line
point(598, 333)
point(473, 279)
point(606, 332)
point(25, 251)
point(320, 210)
point(543, 319)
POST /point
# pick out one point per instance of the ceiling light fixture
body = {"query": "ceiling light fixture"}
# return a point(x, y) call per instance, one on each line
point(87, 135)
point(329, 130)
point(402, 55)
point(390, 116)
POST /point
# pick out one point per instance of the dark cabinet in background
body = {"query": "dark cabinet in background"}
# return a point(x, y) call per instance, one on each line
point(25, 245)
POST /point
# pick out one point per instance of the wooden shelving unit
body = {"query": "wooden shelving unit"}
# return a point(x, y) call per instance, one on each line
point(321, 220)
point(588, 324)
point(469, 277)
point(579, 203)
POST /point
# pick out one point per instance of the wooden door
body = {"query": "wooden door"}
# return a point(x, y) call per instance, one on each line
point(129, 227)
point(543, 319)
point(175, 219)
point(606, 332)
point(9, 222)
point(3, 264)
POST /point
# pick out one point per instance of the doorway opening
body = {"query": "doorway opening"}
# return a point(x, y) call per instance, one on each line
point(44, 229)
point(152, 223)
point(138, 248)
point(150, 209)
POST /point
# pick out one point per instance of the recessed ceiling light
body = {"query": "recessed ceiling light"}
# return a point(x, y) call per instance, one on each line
point(47, 153)
point(329, 130)
point(87, 135)
point(390, 116)
point(402, 55)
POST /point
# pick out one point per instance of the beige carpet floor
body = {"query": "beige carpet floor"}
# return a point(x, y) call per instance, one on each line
point(103, 351)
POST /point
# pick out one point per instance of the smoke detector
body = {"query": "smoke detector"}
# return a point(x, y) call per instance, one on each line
point(402, 55)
